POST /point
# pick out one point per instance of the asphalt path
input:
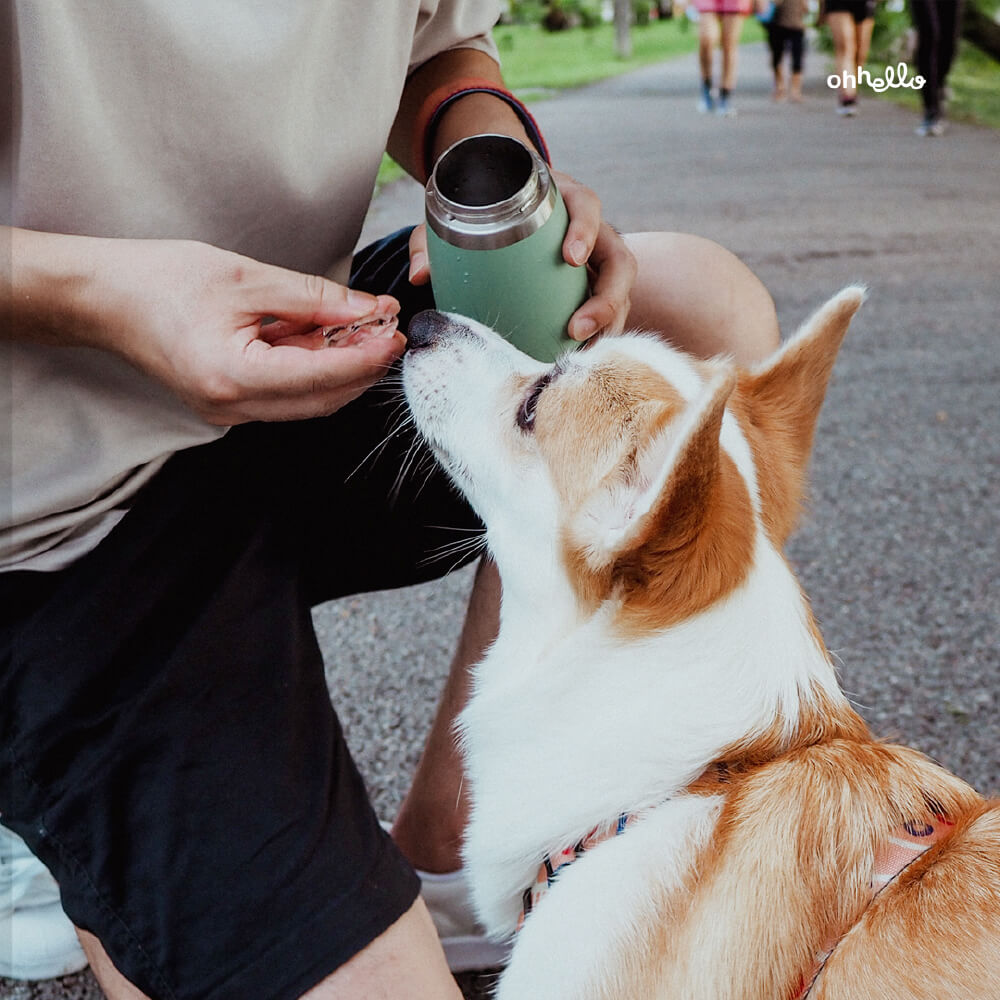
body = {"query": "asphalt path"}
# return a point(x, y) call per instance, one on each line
point(898, 549)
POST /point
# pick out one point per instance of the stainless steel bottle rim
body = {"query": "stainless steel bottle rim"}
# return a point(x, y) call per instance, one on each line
point(492, 224)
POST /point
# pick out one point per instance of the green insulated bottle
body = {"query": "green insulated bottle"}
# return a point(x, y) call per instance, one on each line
point(495, 228)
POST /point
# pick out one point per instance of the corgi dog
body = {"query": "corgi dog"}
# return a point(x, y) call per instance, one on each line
point(672, 799)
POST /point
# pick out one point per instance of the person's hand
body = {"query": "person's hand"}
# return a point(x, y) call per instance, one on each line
point(592, 241)
point(589, 242)
point(236, 339)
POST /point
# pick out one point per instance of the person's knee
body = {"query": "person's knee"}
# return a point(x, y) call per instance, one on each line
point(701, 297)
point(406, 960)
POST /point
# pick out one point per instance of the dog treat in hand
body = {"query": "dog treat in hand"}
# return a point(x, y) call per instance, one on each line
point(366, 328)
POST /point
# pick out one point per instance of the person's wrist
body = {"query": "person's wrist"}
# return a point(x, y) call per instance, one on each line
point(470, 106)
point(474, 114)
point(57, 291)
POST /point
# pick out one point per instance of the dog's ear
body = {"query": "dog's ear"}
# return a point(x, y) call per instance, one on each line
point(675, 469)
point(779, 402)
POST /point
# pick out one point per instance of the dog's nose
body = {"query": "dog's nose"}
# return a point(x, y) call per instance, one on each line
point(425, 328)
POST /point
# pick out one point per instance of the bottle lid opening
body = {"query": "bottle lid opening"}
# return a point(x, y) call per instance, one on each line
point(483, 170)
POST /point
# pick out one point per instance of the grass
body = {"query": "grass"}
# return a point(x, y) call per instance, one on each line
point(535, 60)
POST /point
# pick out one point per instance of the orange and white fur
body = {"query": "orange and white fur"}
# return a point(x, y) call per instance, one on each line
point(653, 637)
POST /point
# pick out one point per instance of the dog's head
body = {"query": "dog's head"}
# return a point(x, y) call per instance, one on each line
point(627, 470)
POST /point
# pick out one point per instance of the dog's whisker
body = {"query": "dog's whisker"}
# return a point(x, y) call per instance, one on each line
point(430, 463)
point(460, 547)
point(416, 453)
point(405, 422)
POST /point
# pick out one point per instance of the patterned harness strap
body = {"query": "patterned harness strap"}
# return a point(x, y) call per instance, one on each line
point(554, 863)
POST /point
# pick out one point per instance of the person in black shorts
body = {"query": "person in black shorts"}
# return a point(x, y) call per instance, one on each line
point(851, 23)
point(786, 32)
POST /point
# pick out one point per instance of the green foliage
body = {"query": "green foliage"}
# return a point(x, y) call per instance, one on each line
point(889, 36)
point(564, 14)
point(527, 11)
point(975, 85)
point(590, 15)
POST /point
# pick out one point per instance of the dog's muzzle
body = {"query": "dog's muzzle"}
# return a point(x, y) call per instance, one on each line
point(426, 328)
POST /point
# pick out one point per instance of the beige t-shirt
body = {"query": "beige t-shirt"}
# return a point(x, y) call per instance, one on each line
point(254, 125)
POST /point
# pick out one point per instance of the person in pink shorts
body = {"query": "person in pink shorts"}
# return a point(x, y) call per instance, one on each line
point(719, 26)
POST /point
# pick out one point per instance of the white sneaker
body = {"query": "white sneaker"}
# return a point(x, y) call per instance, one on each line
point(930, 126)
point(37, 940)
point(724, 109)
point(465, 943)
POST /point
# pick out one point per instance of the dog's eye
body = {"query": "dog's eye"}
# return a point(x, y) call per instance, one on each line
point(526, 412)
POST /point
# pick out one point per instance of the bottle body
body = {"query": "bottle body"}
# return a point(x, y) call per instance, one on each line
point(495, 228)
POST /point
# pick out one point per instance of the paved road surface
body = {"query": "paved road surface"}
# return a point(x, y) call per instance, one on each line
point(899, 549)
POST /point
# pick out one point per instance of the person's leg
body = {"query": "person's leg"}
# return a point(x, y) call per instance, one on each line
point(776, 43)
point(938, 23)
point(703, 298)
point(842, 31)
point(925, 20)
point(863, 39)
point(405, 961)
point(950, 18)
point(732, 25)
point(432, 818)
point(708, 40)
point(796, 41)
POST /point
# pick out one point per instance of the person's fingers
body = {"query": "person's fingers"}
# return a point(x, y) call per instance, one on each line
point(613, 269)
point(584, 209)
point(288, 334)
point(277, 371)
point(265, 290)
point(283, 331)
point(285, 382)
point(420, 272)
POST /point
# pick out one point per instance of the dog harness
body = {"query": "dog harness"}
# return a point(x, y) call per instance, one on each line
point(904, 845)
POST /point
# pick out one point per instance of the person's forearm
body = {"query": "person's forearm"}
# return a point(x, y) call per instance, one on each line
point(50, 296)
point(471, 115)
point(233, 338)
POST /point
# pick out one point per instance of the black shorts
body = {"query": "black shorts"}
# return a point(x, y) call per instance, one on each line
point(780, 38)
point(168, 745)
point(860, 10)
